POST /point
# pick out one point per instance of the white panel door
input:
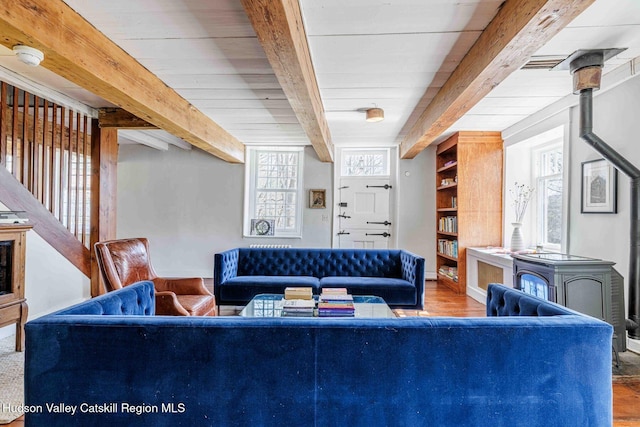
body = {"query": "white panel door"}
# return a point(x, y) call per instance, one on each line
point(364, 213)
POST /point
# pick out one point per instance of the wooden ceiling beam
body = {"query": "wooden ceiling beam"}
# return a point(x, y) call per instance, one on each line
point(77, 51)
point(280, 30)
point(517, 31)
point(121, 119)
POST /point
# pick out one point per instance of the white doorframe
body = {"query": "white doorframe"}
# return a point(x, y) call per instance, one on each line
point(393, 200)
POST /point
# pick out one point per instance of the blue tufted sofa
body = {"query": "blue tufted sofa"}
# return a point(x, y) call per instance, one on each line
point(395, 275)
point(529, 363)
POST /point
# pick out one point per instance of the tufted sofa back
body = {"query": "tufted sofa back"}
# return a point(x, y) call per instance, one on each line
point(138, 300)
point(503, 301)
point(319, 262)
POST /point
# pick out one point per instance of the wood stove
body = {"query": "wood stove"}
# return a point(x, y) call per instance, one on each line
point(587, 285)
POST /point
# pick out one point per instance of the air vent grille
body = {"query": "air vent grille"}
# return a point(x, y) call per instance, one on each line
point(543, 62)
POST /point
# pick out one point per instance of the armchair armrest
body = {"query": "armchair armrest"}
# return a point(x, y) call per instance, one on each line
point(167, 305)
point(181, 286)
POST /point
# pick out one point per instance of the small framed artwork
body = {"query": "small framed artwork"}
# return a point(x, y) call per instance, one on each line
point(317, 199)
point(599, 187)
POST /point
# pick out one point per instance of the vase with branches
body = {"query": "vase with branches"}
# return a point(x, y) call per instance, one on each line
point(521, 194)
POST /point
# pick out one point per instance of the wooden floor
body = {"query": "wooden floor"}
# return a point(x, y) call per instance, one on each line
point(440, 301)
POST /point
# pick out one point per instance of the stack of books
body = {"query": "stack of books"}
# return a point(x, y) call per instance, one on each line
point(335, 302)
point(298, 302)
point(305, 293)
point(451, 272)
point(298, 307)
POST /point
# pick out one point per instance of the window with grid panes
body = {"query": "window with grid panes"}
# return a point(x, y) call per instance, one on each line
point(274, 189)
point(365, 162)
point(549, 198)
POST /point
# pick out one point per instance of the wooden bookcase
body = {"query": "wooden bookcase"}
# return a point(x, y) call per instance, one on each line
point(468, 201)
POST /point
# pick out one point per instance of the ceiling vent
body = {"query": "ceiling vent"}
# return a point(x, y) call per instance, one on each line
point(543, 62)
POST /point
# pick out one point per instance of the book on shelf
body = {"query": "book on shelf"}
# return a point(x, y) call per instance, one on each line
point(448, 247)
point(302, 292)
point(449, 271)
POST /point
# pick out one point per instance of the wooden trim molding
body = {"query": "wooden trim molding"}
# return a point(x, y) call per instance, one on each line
point(280, 30)
point(121, 119)
point(518, 30)
point(104, 180)
point(111, 73)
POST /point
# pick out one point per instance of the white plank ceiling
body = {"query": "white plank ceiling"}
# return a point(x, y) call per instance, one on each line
point(386, 53)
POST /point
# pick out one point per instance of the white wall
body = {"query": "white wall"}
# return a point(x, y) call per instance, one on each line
point(51, 282)
point(417, 201)
point(190, 204)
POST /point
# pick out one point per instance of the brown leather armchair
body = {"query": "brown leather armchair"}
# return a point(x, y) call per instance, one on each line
point(126, 261)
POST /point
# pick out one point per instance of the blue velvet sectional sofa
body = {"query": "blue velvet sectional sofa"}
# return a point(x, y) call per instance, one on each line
point(395, 275)
point(110, 362)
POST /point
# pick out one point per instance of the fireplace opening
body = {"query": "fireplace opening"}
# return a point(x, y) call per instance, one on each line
point(6, 264)
point(533, 284)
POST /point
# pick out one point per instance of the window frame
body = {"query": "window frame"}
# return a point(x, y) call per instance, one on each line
point(540, 222)
point(251, 190)
point(384, 151)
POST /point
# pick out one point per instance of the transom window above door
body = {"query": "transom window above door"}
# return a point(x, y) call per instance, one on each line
point(374, 162)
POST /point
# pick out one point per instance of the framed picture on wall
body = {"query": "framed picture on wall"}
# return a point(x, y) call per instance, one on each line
point(599, 187)
point(317, 199)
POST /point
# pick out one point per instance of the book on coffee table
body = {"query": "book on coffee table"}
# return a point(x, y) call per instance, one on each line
point(335, 295)
point(305, 293)
point(298, 307)
point(336, 308)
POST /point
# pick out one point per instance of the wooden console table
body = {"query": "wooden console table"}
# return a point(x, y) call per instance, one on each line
point(13, 305)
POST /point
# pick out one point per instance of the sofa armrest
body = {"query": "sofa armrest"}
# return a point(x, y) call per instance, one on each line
point(225, 266)
point(181, 285)
point(167, 305)
point(413, 271)
point(135, 299)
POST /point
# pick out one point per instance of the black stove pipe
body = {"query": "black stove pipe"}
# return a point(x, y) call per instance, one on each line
point(623, 165)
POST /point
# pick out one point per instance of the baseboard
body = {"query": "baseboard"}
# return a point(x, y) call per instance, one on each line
point(430, 275)
point(477, 294)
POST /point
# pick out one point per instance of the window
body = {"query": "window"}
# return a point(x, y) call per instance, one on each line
point(549, 199)
point(273, 192)
point(539, 162)
point(365, 162)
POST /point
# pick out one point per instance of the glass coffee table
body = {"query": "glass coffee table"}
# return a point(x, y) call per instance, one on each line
point(270, 305)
